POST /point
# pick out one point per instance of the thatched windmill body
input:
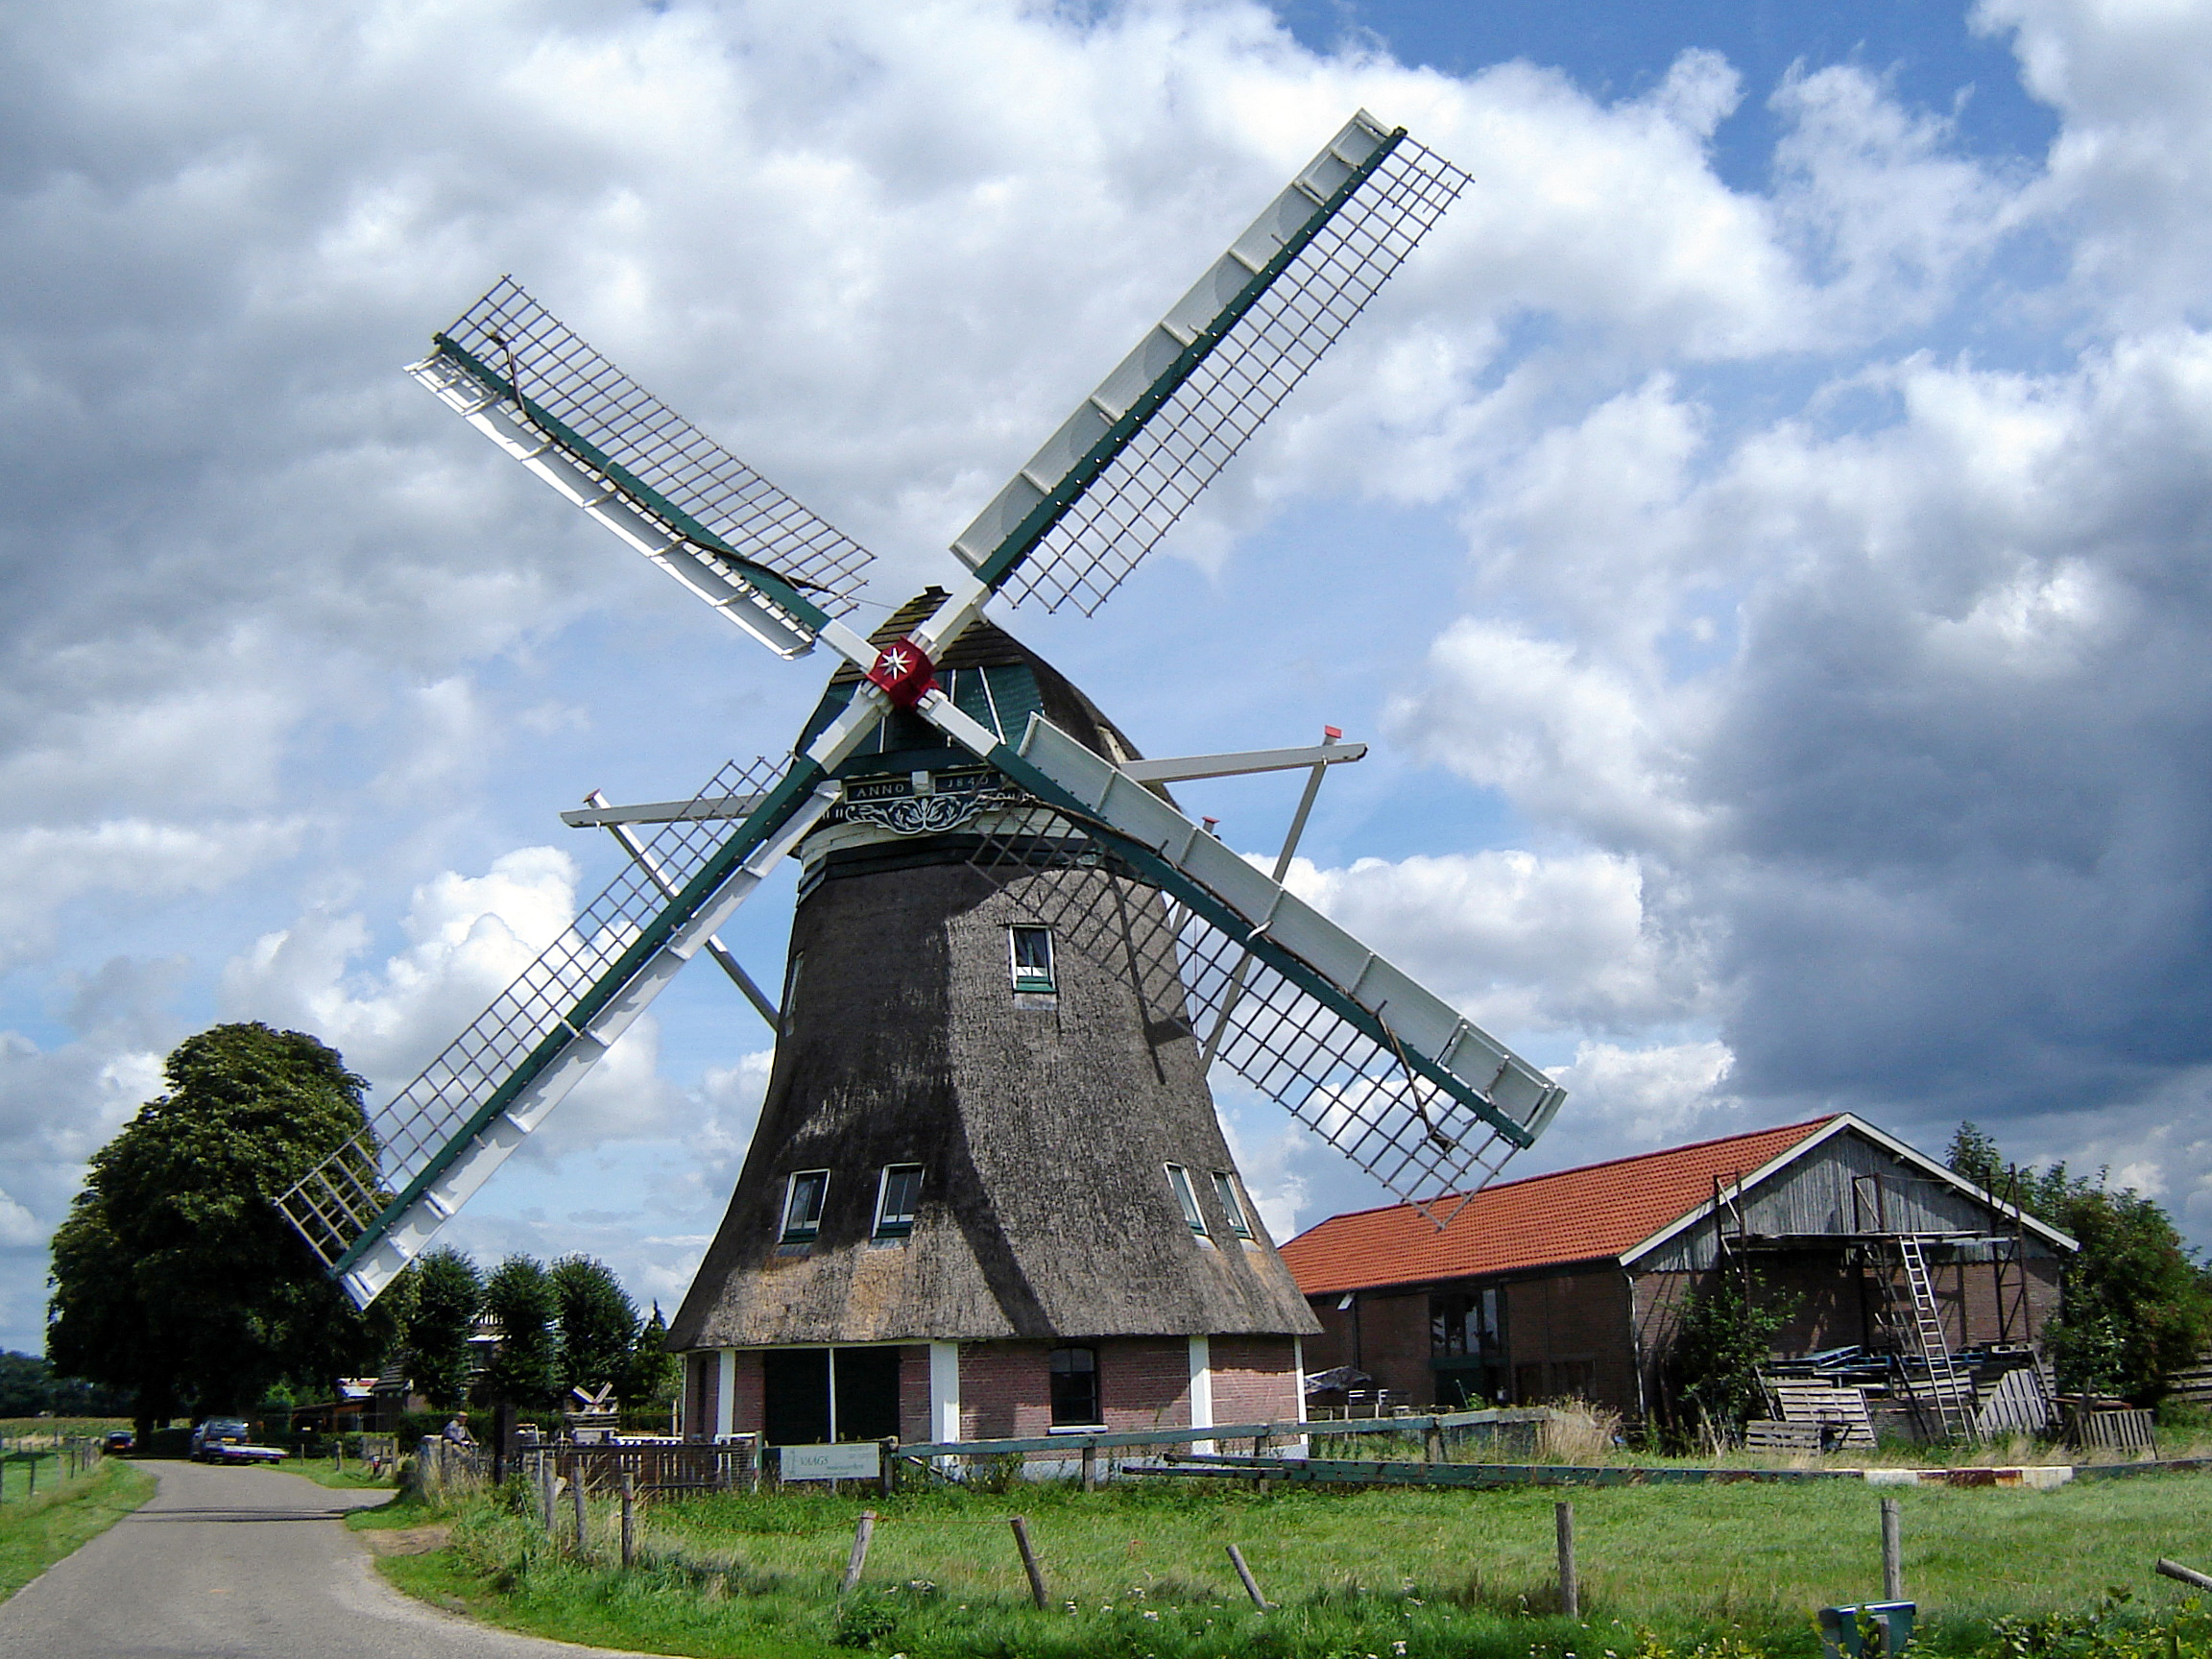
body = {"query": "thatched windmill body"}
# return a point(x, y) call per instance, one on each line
point(988, 1191)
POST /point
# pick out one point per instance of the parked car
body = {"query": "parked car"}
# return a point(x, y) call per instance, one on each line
point(227, 1441)
point(121, 1440)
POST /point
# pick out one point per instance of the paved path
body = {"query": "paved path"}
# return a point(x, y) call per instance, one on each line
point(238, 1564)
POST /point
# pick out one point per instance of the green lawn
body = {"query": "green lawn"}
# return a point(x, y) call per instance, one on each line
point(1355, 1572)
point(36, 1534)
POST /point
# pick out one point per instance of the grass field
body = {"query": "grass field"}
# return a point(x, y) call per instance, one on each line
point(1355, 1573)
point(36, 1534)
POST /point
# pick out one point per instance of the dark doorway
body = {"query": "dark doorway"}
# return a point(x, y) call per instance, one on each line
point(795, 1384)
point(867, 1393)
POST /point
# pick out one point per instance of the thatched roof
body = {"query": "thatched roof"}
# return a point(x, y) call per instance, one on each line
point(1044, 1125)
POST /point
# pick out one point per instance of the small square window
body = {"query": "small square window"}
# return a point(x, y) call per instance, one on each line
point(802, 1205)
point(1232, 1211)
point(897, 1200)
point(1186, 1195)
point(1032, 957)
point(1075, 1387)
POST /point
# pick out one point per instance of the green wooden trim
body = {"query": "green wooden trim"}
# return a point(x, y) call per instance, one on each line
point(782, 802)
point(1022, 540)
point(1318, 1471)
point(1287, 1431)
point(775, 587)
point(1157, 871)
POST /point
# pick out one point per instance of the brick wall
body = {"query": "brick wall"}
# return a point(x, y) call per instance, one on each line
point(747, 1402)
point(1567, 1336)
point(1256, 1379)
point(1333, 1347)
point(701, 1372)
point(914, 1394)
point(1006, 1387)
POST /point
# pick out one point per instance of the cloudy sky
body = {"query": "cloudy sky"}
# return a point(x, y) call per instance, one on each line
point(1764, 531)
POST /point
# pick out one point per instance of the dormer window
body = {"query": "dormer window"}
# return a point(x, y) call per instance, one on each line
point(803, 1206)
point(1231, 1208)
point(1187, 1197)
point(896, 1198)
point(1031, 950)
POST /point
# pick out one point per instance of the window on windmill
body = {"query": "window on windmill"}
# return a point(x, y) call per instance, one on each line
point(897, 1200)
point(1231, 1209)
point(1032, 954)
point(1075, 1387)
point(1186, 1195)
point(802, 1205)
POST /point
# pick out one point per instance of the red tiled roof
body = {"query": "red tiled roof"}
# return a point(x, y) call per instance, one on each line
point(1598, 1210)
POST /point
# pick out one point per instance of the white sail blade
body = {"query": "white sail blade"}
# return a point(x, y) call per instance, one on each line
point(1108, 485)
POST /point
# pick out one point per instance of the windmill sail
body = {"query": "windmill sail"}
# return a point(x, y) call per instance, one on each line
point(1103, 491)
point(1394, 1079)
point(538, 390)
point(375, 1205)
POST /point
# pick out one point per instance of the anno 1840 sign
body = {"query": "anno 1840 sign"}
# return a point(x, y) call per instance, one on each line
point(857, 1460)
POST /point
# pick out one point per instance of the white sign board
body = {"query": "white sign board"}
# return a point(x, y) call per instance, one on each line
point(859, 1460)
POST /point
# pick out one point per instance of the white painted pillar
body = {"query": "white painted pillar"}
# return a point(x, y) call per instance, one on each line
point(725, 1395)
point(1298, 1384)
point(944, 1390)
point(1202, 1390)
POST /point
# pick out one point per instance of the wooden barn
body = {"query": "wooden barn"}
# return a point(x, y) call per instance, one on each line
point(1569, 1285)
point(988, 1195)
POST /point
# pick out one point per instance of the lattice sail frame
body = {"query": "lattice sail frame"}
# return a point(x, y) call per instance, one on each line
point(509, 347)
point(338, 1201)
point(1360, 1097)
point(1253, 327)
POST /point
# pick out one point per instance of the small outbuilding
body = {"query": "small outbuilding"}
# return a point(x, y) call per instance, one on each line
point(1570, 1286)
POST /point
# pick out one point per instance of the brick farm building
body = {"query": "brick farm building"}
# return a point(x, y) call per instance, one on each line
point(1569, 1285)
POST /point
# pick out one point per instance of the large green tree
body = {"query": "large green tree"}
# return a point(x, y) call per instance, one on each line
point(526, 1367)
point(651, 1373)
point(173, 1275)
point(448, 1297)
point(2136, 1306)
point(598, 1323)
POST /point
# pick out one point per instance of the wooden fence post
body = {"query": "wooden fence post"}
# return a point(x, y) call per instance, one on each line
point(546, 1509)
point(1090, 1468)
point(1892, 1552)
point(859, 1559)
point(1251, 1584)
point(1029, 1565)
point(1570, 1583)
point(629, 1520)
point(576, 1501)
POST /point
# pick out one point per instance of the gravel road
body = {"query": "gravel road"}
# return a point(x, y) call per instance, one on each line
point(239, 1564)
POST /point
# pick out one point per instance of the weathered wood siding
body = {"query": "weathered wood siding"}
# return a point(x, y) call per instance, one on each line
point(1815, 1195)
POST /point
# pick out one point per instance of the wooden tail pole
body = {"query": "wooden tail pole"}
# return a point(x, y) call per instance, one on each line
point(1892, 1552)
point(862, 1534)
point(576, 1503)
point(2187, 1574)
point(1569, 1585)
point(628, 1521)
point(1037, 1592)
point(547, 1512)
point(1251, 1584)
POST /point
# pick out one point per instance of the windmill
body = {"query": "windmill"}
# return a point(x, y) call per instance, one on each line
point(962, 811)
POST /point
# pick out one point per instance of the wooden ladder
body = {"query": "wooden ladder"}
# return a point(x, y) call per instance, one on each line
point(1951, 1393)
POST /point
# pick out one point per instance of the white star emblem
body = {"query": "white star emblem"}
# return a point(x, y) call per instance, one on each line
point(895, 662)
